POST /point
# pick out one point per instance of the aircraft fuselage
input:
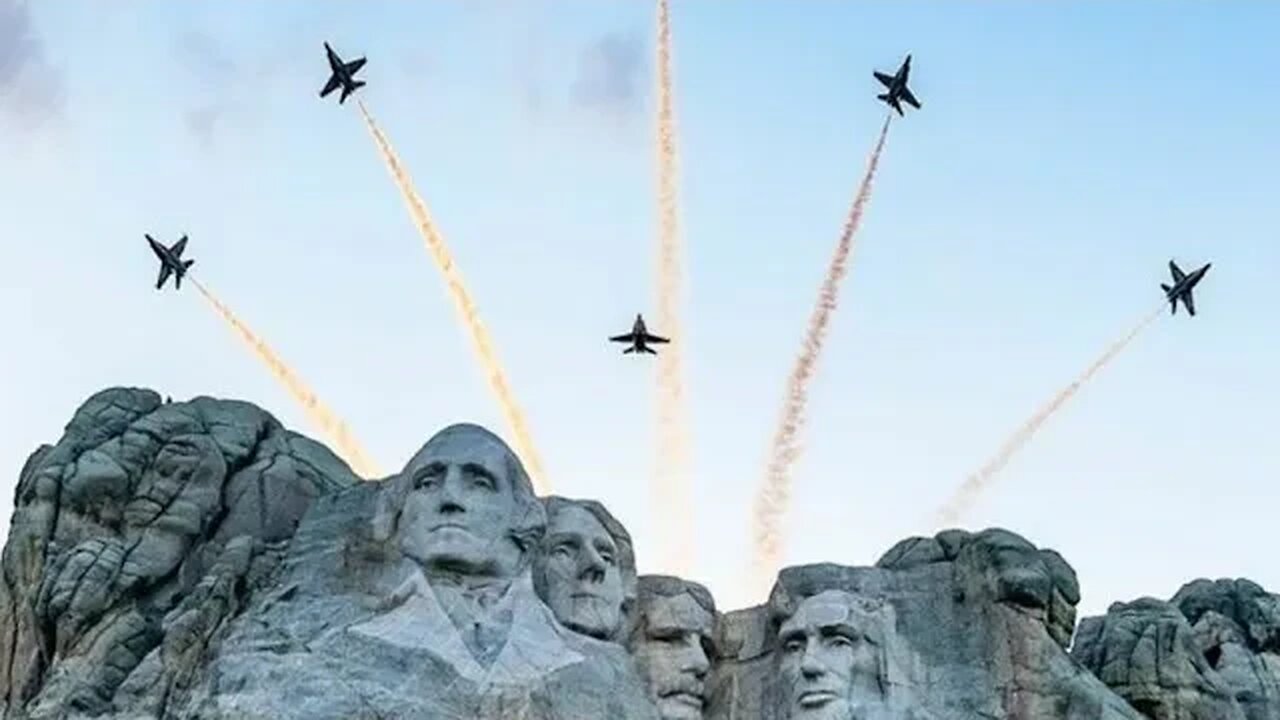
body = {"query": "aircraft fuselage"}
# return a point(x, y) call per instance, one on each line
point(1188, 282)
point(337, 67)
point(164, 255)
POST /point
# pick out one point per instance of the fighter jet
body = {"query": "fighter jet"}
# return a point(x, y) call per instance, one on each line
point(639, 338)
point(1181, 290)
point(342, 74)
point(897, 84)
point(171, 261)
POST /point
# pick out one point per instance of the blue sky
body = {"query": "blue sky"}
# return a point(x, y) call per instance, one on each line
point(1021, 222)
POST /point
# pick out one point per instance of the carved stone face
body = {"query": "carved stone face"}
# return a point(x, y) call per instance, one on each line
point(458, 515)
point(673, 655)
point(827, 668)
point(579, 569)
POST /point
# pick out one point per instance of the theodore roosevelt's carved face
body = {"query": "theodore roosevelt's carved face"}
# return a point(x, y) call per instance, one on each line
point(672, 648)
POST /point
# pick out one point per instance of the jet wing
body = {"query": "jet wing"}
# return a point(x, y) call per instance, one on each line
point(905, 94)
point(1178, 275)
point(1189, 302)
point(354, 65)
point(885, 80)
point(165, 270)
point(649, 338)
point(629, 337)
point(330, 86)
point(179, 246)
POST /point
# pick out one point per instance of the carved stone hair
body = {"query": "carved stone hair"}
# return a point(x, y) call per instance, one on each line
point(529, 521)
point(651, 587)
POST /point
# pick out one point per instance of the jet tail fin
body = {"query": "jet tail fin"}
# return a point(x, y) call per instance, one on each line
point(629, 350)
point(177, 277)
point(888, 99)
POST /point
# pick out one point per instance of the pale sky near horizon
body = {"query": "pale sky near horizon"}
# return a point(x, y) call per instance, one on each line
point(1021, 222)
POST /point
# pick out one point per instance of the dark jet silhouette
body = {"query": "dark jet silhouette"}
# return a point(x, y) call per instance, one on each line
point(897, 85)
point(342, 74)
point(171, 262)
point(1181, 290)
point(639, 338)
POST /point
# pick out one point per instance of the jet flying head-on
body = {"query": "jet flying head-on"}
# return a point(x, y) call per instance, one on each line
point(639, 339)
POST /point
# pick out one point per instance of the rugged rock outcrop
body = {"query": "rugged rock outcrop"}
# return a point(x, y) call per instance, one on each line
point(137, 535)
point(957, 626)
point(1210, 653)
point(197, 560)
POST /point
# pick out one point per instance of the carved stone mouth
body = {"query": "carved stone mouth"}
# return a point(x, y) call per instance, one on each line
point(686, 698)
point(815, 698)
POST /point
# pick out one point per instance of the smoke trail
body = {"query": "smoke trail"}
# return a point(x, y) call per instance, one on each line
point(672, 492)
point(317, 412)
point(480, 340)
point(967, 493)
point(774, 494)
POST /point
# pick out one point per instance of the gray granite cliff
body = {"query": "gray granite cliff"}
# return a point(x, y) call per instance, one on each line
point(198, 560)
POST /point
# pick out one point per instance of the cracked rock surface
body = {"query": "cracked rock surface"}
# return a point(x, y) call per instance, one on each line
point(136, 536)
point(1210, 653)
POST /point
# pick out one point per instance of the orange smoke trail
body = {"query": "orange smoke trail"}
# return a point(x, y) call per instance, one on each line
point(774, 494)
point(480, 340)
point(317, 412)
point(673, 499)
point(968, 492)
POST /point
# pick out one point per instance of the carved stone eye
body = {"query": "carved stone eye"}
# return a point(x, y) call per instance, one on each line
point(426, 476)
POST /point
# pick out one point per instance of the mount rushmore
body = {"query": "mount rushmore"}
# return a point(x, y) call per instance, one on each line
point(198, 560)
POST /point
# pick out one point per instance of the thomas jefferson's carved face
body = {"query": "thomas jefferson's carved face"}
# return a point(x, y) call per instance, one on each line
point(459, 514)
point(673, 655)
point(827, 668)
point(579, 568)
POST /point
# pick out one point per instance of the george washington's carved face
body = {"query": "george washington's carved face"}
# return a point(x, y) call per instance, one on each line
point(459, 513)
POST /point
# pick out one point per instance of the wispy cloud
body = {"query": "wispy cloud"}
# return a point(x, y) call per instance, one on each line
point(221, 78)
point(206, 58)
point(31, 90)
point(610, 74)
